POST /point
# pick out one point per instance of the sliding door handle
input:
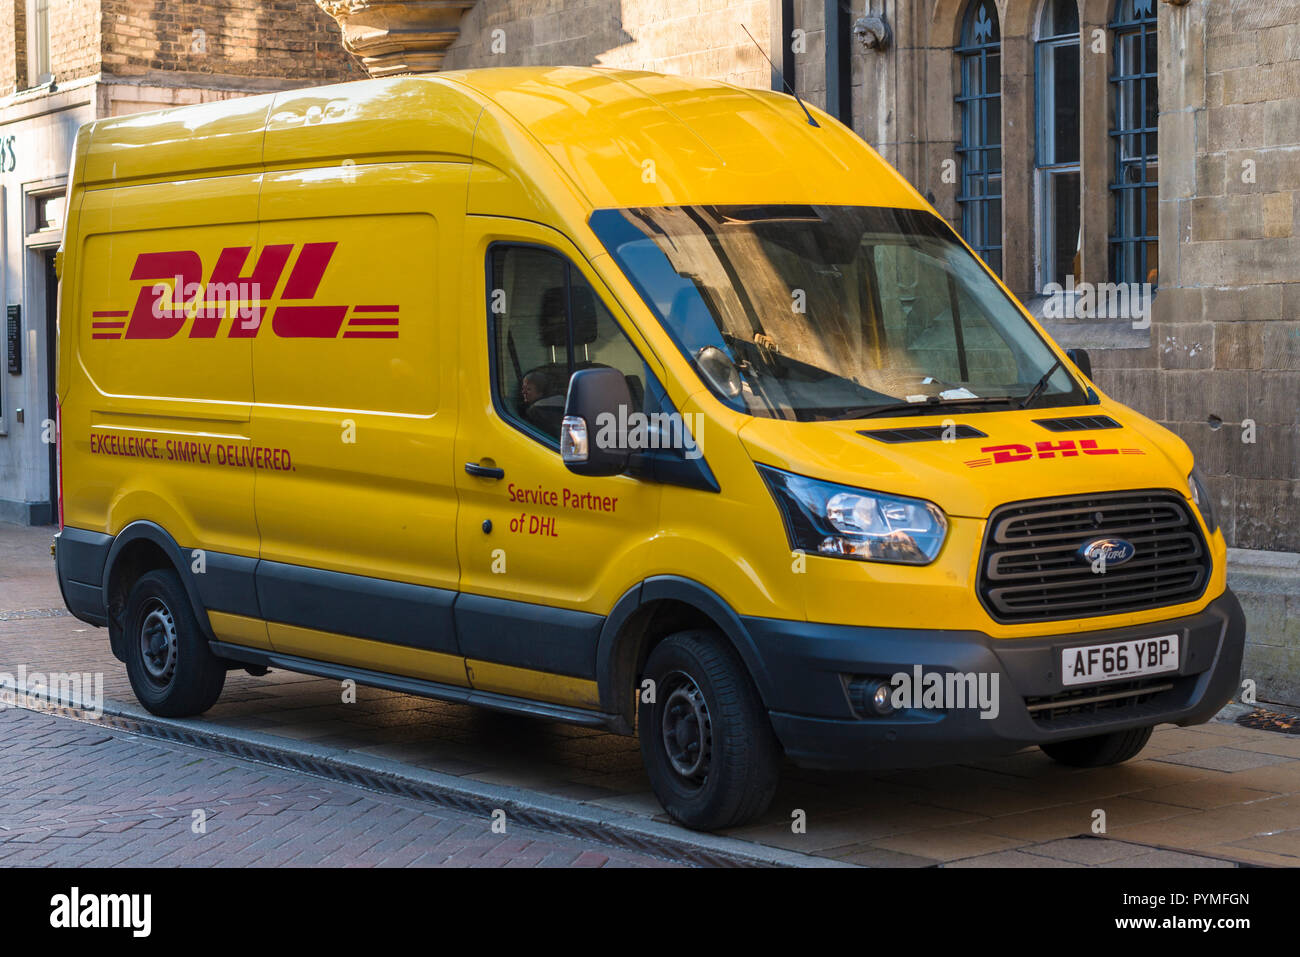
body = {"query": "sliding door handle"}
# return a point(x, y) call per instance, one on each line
point(484, 471)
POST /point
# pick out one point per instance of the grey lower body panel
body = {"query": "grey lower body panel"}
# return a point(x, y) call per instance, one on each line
point(526, 635)
point(415, 616)
point(79, 557)
point(498, 630)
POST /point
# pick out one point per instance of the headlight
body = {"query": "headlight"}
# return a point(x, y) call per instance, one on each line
point(1200, 493)
point(839, 521)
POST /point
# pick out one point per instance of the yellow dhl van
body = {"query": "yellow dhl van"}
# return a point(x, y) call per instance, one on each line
point(634, 401)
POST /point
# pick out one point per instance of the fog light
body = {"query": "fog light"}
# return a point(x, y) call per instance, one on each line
point(871, 696)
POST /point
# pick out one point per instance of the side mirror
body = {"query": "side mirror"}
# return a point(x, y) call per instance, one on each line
point(1081, 359)
point(593, 439)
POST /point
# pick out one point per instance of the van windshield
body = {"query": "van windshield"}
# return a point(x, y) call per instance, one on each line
point(823, 312)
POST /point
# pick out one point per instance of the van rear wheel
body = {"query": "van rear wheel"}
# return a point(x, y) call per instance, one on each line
point(1100, 750)
point(706, 741)
point(173, 672)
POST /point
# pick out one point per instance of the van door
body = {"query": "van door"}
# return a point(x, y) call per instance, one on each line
point(544, 553)
point(354, 417)
point(168, 375)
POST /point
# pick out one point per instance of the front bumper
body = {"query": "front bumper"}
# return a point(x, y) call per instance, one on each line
point(810, 707)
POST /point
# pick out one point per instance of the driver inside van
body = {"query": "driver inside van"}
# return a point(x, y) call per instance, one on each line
point(542, 394)
point(532, 388)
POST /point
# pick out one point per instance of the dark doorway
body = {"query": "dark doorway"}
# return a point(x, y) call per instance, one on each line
point(51, 358)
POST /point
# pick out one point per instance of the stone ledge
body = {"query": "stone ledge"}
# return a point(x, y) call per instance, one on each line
point(26, 104)
point(1248, 558)
point(190, 80)
point(1255, 570)
point(1101, 334)
point(1089, 332)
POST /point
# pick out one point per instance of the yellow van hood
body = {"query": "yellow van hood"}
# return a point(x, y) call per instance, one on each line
point(1017, 459)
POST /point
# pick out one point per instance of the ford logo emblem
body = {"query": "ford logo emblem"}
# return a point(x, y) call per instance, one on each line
point(1113, 551)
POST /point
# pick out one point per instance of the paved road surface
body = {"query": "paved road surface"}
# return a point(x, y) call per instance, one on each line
point(75, 795)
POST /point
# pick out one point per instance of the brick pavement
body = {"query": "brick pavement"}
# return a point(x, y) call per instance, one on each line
point(77, 796)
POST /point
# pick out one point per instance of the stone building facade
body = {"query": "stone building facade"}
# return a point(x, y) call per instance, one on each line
point(67, 62)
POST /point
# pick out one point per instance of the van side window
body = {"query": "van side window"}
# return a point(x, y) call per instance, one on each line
point(547, 323)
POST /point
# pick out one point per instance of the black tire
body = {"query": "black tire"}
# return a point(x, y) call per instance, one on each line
point(704, 696)
point(173, 672)
point(1100, 750)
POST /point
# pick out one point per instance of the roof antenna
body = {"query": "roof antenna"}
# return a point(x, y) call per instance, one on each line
point(811, 121)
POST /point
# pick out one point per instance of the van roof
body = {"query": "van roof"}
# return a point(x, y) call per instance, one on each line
point(623, 138)
point(632, 138)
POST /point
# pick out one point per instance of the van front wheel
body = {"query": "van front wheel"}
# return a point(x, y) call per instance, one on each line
point(1100, 750)
point(173, 672)
point(706, 741)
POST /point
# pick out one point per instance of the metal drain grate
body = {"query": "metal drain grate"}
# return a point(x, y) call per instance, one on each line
point(611, 835)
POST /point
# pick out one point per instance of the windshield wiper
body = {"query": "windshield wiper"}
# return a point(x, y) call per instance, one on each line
point(1037, 390)
point(920, 408)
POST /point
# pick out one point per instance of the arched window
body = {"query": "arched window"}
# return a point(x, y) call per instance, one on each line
point(1134, 238)
point(980, 153)
point(1056, 71)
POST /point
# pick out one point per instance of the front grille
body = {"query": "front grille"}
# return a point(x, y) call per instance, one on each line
point(1080, 707)
point(1030, 569)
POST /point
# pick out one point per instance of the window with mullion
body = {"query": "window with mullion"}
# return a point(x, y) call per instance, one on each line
point(979, 197)
point(1057, 79)
point(1134, 239)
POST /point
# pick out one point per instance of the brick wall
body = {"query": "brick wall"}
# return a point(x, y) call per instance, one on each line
point(8, 53)
point(237, 40)
point(700, 38)
point(74, 38)
point(281, 38)
point(13, 46)
point(74, 41)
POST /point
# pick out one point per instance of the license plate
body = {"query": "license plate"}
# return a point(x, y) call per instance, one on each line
point(1090, 664)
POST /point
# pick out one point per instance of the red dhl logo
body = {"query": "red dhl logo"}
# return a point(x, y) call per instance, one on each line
point(1066, 449)
point(176, 295)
